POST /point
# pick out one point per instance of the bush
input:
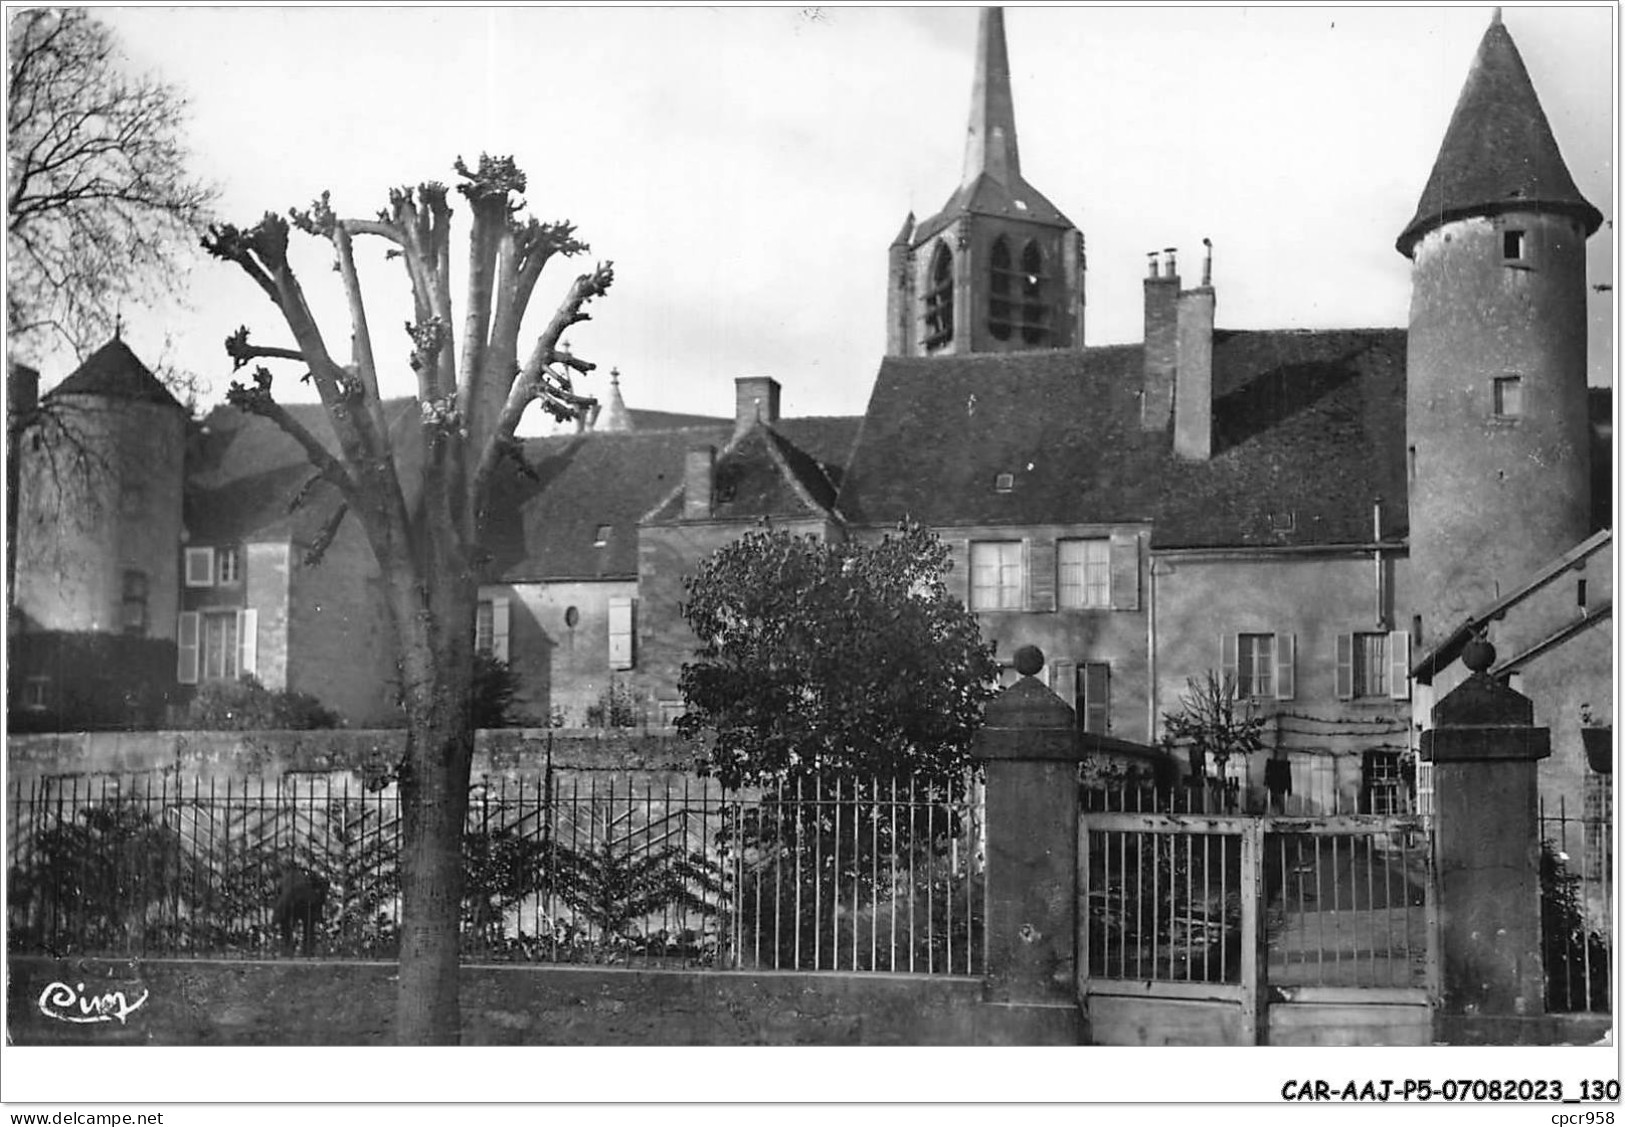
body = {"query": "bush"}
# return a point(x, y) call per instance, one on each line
point(248, 706)
point(492, 692)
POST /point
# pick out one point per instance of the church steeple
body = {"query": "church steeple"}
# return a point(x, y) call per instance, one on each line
point(999, 268)
point(990, 143)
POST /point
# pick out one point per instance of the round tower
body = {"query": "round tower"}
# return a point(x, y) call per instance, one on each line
point(1496, 413)
point(99, 527)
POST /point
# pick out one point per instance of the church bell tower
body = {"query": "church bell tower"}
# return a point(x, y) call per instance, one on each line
point(999, 268)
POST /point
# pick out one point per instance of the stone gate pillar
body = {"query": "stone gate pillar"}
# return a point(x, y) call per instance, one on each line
point(1030, 749)
point(1485, 748)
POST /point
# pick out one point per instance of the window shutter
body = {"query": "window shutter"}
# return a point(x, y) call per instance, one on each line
point(1286, 681)
point(1399, 664)
point(499, 629)
point(958, 577)
point(1041, 574)
point(1345, 667)
point(1227, 659)
point(1097, 703)
point(186, 638)
point(248, 642)
point(620, 632)
point(1126, 571)
point(199, 570)
point(1064, 682)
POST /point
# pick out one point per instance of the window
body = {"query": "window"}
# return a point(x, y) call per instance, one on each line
point(1004, 483)
point(939, 300)
point(220, 654)
point(1260, 665)
point(1382, 786)
point(622, 644)
point(1508, 397)
point(1374, 665)
point(1085, 573)
point(199, 567)
point(220, 645)
point(228, 566)
point(1512, 245)
point(1370, 664)
point(133, 615)
point(1255, 668)
point(37, 694)
point(996, 575)
point(491, 628)
point(601, 536)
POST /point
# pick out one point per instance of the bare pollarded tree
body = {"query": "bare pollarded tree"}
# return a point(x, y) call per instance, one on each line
point(422, 495)
point(101, 210)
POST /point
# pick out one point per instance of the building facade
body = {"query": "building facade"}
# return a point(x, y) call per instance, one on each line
point(1315, 517)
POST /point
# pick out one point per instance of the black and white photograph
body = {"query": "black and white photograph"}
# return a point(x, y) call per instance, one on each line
point(811, 530)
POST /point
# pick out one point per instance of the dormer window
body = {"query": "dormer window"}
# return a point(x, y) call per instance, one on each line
point(1513, 245)
point(939, 300)
point(601, 537)
point(1004, 483)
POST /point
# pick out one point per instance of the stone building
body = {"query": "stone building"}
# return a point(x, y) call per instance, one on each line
point(1321, 516)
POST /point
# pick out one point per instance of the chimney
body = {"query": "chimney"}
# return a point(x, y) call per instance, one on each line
point(755, 397)
point(1193, 396)
point(699, 474)
point(22, 390)
point(1161, 343)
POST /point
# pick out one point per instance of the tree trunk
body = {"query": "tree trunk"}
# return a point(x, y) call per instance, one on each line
point(434, 805)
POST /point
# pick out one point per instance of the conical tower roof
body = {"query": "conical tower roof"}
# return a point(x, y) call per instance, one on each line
point(114, 372)
point(1498, 153)
point(615, 419)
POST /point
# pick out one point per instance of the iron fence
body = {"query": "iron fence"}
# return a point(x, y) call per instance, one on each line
point(1576, 901)
point(616, 868)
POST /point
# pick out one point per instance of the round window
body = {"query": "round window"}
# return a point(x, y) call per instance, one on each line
point(571, 617)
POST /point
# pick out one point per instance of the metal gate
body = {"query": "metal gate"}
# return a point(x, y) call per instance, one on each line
point(1241, 929)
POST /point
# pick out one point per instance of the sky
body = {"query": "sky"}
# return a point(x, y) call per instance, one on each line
point(746, 168)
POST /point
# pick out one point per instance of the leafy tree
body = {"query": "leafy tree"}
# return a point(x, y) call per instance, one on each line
point(422, 494)
point(842, 657)
point(100, 206)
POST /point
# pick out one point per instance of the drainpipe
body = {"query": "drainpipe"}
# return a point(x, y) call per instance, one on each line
point(1151, 647)
point(1376, 560)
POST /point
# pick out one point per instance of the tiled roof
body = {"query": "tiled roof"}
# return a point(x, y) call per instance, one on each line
point(1310, 424)
point(1498, 152)
point(547, 528)
point(243, 471)
point(116, 372)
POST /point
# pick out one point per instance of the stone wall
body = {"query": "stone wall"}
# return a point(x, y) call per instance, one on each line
point(237, 755)
point(237, 1002)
